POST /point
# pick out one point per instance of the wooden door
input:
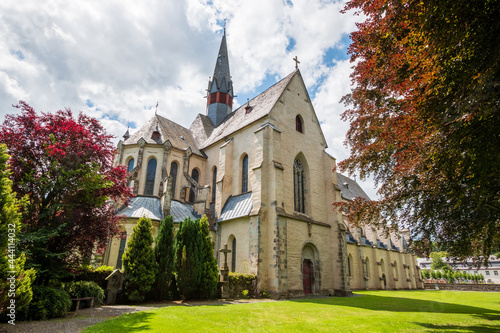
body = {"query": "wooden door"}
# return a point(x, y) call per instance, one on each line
point(307, 276)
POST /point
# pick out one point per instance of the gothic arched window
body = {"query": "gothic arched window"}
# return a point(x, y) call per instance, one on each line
point(173, 173)
point(233, 256)
point(298, 124)
point(130, 165)
point(214, 183)
point(195, 175)
point(244, 174)
point(150, 177)
point(121, 250)
point(298, 186)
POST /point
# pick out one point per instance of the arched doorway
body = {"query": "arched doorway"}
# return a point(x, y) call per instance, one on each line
point(311, 281)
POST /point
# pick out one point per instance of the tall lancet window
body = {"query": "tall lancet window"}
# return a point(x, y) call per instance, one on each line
point(244, 174)
point(173, 173)
point(195, 175)
point(130, 165)
point(150, 177)
point(214, 184)
point(298, 185)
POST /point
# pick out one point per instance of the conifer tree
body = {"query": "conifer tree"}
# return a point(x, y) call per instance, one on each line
point(9, 231)
point(188, 258)
point(139, 261)
point(164, 253)
point(210, 274)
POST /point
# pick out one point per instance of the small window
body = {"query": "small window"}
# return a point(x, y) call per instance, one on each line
point(495, 272)
point(349, 271)
point(233, 256)
point(298, 124)
point(487, 272)
point(121, 250)
point(244, 175)
point(130, 165)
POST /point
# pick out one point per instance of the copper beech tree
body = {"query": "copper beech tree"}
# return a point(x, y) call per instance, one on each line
point(425, 121)
point(63, 166)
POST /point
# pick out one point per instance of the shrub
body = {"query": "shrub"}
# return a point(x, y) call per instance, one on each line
point(164, 253)
point(210, 273)
point(139, 262)
point(239, 282)
point(86, 289)
point(188, 258)
point(97, 275)
point(47, 302)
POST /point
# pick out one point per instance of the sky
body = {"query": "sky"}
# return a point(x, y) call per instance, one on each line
point(114, 60)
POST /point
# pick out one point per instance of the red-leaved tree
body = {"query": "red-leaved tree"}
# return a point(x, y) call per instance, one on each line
point(64, 168)
point(424, 119)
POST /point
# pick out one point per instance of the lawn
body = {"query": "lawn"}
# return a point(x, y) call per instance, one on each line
point(368, 311)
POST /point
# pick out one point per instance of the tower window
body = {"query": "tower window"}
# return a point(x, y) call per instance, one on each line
point(298, 124)
point(244, 175)
point(298, 185)
point(150, 177)
point(173, 173)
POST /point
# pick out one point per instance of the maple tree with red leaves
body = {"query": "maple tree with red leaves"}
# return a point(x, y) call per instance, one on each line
point(63, 167)
point(424, 120)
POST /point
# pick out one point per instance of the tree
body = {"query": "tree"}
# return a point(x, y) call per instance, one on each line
point(438, 261)
point(10, 260)
point(65, 168)
point(424, 119)
point(189, 258)
point(139, 262)
point(210, 274)
point(164, 253)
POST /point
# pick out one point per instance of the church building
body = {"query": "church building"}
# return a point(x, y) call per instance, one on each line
point(262, 176)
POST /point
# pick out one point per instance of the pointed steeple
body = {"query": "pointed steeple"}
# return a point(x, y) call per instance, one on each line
point(126, 135)
point(220, 87)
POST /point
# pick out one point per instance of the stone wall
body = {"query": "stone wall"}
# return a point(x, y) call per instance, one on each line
point(464, 286)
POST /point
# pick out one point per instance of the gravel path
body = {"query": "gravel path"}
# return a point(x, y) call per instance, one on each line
point(74, 323)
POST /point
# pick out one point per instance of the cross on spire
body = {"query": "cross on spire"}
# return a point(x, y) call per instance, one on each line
point(156, 111)
point(297, 62)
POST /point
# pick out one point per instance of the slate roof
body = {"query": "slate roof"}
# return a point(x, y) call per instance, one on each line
point(143, 206)
point(201, 128)
point(180, 211)
point(261, 106)
point(349, 188)
point(179, 136)
point(237, 206)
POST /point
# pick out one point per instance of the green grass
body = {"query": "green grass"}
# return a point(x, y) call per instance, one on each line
point(372, 311)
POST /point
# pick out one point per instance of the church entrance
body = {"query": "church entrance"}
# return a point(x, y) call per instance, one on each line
point(306, 274)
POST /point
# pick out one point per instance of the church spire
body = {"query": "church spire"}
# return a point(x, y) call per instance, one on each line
point(220, 87)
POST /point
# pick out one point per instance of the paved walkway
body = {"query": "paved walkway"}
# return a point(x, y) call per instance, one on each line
point(74, 323)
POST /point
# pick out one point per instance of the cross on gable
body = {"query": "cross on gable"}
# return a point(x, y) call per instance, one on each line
point(297, 62)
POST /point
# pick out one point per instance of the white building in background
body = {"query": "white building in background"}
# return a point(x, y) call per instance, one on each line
point(491, 273)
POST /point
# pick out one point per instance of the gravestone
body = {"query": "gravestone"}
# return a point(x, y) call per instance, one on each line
point(114, 286)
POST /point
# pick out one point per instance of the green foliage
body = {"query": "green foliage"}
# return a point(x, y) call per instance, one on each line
point(189, 254)
point(97, 275)
point(10, 259)
point(139, 262)
point(438, 261)
point(238, 282)
point(47, 302)
point(164, 254)
point(210, 274)
point(85, 289)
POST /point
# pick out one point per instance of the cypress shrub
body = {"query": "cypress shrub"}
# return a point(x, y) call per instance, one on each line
point(164, 253)
point(188, 258)
point(210, 274)
point(47, 302)
point(139, 262)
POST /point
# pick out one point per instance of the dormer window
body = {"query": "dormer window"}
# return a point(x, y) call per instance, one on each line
point(298, 124)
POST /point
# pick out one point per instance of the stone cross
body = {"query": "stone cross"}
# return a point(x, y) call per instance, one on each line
point(297, 62)
point(225, 251)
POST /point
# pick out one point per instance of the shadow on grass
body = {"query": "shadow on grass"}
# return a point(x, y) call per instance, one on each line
point(460, 329)
point(398, 304)
point(129, 322)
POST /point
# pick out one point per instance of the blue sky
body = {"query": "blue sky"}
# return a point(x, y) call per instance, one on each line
point(115, 60)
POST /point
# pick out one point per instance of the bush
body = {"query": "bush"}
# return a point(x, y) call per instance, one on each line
point(47, 302)
point(97, 275)
point(239, 282)
point(86, 289)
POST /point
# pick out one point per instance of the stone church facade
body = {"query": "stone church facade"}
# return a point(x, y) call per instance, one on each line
point(262, 176)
